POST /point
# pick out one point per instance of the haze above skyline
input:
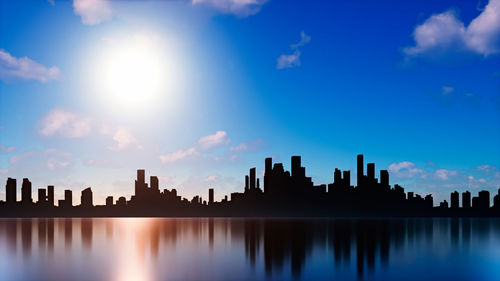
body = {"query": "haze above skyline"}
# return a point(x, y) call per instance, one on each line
point(196, 92)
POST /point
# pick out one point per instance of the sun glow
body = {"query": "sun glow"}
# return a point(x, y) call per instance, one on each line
point(135, 73)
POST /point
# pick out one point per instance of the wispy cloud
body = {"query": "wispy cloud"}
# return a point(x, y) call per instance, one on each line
point(448, 95)
point(12, 68)
point(248, 146)
point(124, 138)
point(7, 149)
point(445, 32)
point(93, 11)
point(205, 143)
point(241, 8)
point(178, 155)
point(212, 141)
point(66, 124)
point(293, 60)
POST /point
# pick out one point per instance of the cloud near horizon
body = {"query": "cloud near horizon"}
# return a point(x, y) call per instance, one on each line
point(71, 125)
point(12, 68)
point(445, 32)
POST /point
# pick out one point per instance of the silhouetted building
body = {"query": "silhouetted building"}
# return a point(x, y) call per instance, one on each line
point(384, 178)
point(360, 169)
point(429, 202)
point(26, 192)
point(122, 201)
point(466, 200)
point(475, 202)
point(109, 201)
point(252, 178)
point(246, 182)
point(86, 198)
point(11, 191)
point(296, 165)
point(484, 199)
point(444, 204)
point(347, 178)
point(210, 196)
point(370, 171)
point(42, 196)
point(140, 183)
point(68, 198)
point(496, 200)
point(153, 181)
point(454, 200)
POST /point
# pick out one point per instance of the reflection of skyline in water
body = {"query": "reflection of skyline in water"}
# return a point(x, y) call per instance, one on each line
point(150, 249)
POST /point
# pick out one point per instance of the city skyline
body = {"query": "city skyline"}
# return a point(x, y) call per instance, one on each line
point(196, 91)
point(371, 196)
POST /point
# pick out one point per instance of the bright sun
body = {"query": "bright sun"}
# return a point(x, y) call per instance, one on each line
point(133, 73)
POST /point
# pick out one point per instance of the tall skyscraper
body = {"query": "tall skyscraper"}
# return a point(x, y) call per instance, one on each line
point(210, 196)
point(252, 178)
point(384, 178)
point(466, 200)
point(50, 195)
point(268, 173)
point(86, 198)
point(11, 191)
point(370, 171)
point(360, 170)
point(454, 200)
point(246, 182)
point(140, 182)
point(26, 191)
point(68, 198)
point(296, 166)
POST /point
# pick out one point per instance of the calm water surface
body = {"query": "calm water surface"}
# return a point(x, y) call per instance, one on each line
point(249, 249)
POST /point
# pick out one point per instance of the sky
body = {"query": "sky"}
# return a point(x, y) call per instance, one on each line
point(197, 92)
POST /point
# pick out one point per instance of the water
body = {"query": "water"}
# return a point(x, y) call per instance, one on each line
point(249, 249)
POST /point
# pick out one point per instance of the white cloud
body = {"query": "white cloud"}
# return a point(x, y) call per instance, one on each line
point(293, 60)
point(203, 144)
point(35, 160)
point(66, 124)
point(124, 138)
point(92, 11)
point(404, 169)
point(52, 2)
point(304, 39)
point(12, 68)
point(212, 178)
point(445, 32)
point(178, 155)
point(212, 141)
point(288, 61)
point(444, 174)
point(247, 146)
point(242, 8)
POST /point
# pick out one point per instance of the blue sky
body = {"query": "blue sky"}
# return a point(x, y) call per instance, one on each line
point(414, 86)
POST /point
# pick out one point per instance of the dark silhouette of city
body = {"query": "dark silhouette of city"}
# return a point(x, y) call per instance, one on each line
point(284, 194)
